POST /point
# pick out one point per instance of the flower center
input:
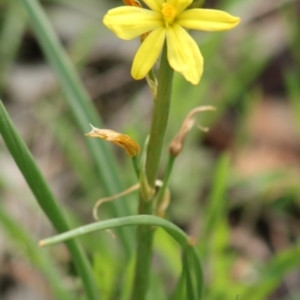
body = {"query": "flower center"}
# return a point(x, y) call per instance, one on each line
point(169, 13)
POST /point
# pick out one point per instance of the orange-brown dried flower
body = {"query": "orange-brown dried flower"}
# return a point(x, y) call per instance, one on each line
point(126, 142)
point(132, 3)
point(177, 143)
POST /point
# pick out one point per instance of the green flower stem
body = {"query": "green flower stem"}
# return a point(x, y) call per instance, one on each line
point(143, 258)
point(160, 118)
point(44, 196)
point(154, 149)
point(136, 166)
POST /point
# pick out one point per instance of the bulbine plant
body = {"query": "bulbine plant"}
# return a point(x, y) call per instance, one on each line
point(165, 46)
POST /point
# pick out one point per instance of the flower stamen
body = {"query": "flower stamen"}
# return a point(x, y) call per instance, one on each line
point(169, 13)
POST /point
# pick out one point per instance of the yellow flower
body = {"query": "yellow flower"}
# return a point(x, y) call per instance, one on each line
point(122, 140)
point(167, 20)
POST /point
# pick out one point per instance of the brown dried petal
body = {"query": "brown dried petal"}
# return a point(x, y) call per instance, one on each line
point(177, 143)
point(126, 142)
point(132, 3)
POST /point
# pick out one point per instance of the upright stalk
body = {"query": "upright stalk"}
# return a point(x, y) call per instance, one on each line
point(160, 118)
point(157, 134)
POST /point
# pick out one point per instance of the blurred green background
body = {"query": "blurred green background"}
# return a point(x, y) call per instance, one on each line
point(235, 188)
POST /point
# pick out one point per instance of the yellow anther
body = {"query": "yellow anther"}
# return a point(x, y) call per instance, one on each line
point(169, 13)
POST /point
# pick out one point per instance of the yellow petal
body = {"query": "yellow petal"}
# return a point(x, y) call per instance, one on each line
point(183, 54)
point(126, 142)
point(207, 20)
point(155, 5)
point(128, 22)
point(148, 53)
point(180, 5)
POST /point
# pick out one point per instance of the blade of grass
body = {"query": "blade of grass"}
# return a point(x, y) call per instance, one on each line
point(175, 232)
point(292, 84)
point(146, 220)
point(10, 39)
point(156, 289)
point(272, 274)
point(39, 259)
point(190, 292)
point(216, 201)
point(197, 269)
point(168, 250)
point(44, 196)
point(216, 232)
point(64, 133)
point(181, 284)
point(82, 108)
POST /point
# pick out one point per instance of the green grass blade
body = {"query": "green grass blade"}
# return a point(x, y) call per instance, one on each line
point(272, 274)
point(194, 258)
point(216, 203)
point(190, 291)
point(64, 132)
point(181, 284)
point(178, 235)
point(292, 85)
point(10, 39)
point(175, 232)
point(216, 231)
point(44, 196)
point(24, 241)
point(82, 108)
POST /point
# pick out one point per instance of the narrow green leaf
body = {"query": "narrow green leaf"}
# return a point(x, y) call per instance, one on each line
point(190, 292)
point(271, 276)
point(178, 235)
point(180, 290)
point(82, 108)
point(39, 259)
point(44, 196)
point(197, 271)
point(292, 84)
point(10, 38)
point(145, 220)
point(216, 204)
